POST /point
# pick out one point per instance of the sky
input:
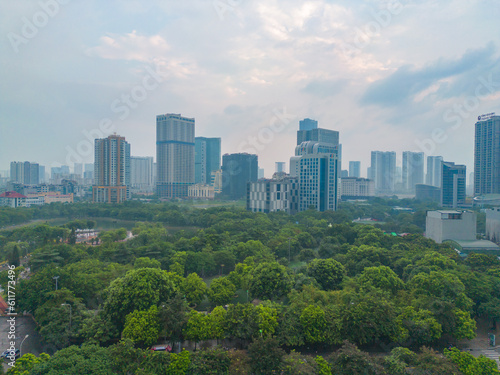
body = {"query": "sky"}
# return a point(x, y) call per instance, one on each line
point(389, 75)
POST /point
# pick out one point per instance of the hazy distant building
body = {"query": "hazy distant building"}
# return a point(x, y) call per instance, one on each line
point(141, 173)
point(383, 171)
point(237, 171)
point(260, 173)
point(413, 170)
point(318, 135)
point(280, 167)
point(355, 169)
point(453, 185)
point(41, 174)
point(174, 155)
point(207, 158)
point(434, 170)
point(344, 173)
point(428, 193)
point(111, 170)
point(357, 188)
point(78, 169)
point(487, 155)
point(25, 173)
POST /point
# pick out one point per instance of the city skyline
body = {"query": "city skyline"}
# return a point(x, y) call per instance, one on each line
point(252, 72)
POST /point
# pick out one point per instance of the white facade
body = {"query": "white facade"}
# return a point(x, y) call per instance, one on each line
point(450, 225)
point(434, 170)
point(141, 173)
point(267, 195)
point(357, 187)
point(413, 170)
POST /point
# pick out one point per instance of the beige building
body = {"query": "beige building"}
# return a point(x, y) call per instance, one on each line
point(201, 191)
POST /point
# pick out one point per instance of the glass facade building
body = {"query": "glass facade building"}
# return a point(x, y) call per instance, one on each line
point(487, 155)
point(207, 159)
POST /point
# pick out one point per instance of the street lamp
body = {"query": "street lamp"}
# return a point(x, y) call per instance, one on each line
point(21, 346)
point(56, 278)
point(70, 313)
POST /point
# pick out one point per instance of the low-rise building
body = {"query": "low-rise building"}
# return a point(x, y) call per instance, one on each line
point(493, 224)
point(450, 225)
point(12, 199)
point(201, 191)
point(271, 195)
point(357, 188)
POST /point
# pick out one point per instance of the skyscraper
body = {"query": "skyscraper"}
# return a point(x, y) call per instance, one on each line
point(383, 171)
point(78, 169)
point(318, 135)
point(453, 185)
point(316, 167)
point(487, 155)
point(111, 170)
point(355, 169)
point(434, 170)
point(279, 167)
point(237, 171)
point(174, 155)
point(413, 170)
point(308, 124)
point(25, 173)
point(141, 173)
point(207, 157)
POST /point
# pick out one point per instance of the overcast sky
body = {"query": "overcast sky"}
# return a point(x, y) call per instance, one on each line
point(388, 75)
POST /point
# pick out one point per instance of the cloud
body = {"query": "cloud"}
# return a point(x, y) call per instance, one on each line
point(407, 82)
point(324, 88)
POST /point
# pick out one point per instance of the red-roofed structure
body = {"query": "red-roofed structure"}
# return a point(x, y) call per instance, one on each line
point(12, 199)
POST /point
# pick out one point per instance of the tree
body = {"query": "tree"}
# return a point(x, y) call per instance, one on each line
point(242, 321)
point(349, 360)
point(270, 281)
point(173, 314)
point(314, 324)
point(265, 356)
point(142, 327)
point(268, 320)
point(198, 327)
point(417, 327)
point(381, 277)
point(221, 291)
point(470, 365)
point(14, 257)
point(327, 272)
point(26, 363)
point(194, 288)
point(216, 323)
point(137, 290)
point(146, 262)
point(209, 362)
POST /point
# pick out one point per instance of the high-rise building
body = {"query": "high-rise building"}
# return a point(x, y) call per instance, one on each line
point(111, 170)
point(434, 169)
point(174, 155)
point(383, 171)
point(316, 167)
point(207, 156)
point(487, 155)
point(413, 170)
point(260, 173)
point(453, 185)
point(237, 171)
point(355, 169)
point(308, 124)
point(318, 135)
point(78, 169)
point(280, 167)
point(25, 173)
point(141, 173)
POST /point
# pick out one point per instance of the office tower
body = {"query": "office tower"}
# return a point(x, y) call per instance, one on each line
point(318, 135)
point(111, 170)
point(237, 171)
point(260, 173)
point(41, 173)
point(383, 171)
point(25, 173)
point(174, 155)
point(316, 167)
point(65, 170)
point(453, 185)
point(207, 155)
point(141, 173)
point(487, 155)
point(355, 169)
point(280, 167)
point(434, 169)
point(308, 124)
point(78, 169)
point(413, 170)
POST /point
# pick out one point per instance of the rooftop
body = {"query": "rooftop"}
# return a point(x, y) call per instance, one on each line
point(11, 194)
